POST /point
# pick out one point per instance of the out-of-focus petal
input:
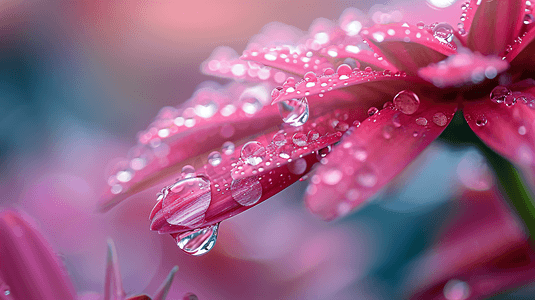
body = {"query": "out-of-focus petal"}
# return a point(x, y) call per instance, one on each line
point(372, 155)
point(113, 282)
point(463, 68)
point(163, 290)
point(508, 130)
point(494, 25)
point(408, 47)
point(29, 266)
point(240, 181)
point(484, 250)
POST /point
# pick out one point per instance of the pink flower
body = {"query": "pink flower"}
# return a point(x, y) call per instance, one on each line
point(31, 270)
point(231, 152)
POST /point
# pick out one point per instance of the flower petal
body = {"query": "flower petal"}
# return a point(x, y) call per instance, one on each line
point(30, 267)
point(288, 59)
point(520, 55)
point(408, 47)
point(484, 250)
point(241, 181)
point(372, 155)
point(495, 25)
point(113, 283)
point(463, 68)
point(510, 131)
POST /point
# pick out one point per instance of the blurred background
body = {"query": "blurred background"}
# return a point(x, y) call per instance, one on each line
point(79, 79)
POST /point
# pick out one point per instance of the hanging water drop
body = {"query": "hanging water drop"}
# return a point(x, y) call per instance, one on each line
point(407, 102)
point(443, 32)
point(253, 153)
point(294, 112)
point(499, 93)
point(323, 152)
point(214, 158)
point(246, 191)
point(199, 241)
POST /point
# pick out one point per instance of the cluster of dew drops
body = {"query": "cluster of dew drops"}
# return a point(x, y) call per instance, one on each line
point(528, 21)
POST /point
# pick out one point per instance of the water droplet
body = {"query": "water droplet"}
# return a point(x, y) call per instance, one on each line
point(372, 111)
point(323, 152)
point(294, 112)
point(186, 201)
point(279, 139)
point(332, 176)
point(214, 158)
point(420, 25)
point(199, 241)
point(286, 151)
point(356, 123)
point(298, 166)
point(456, 290)
point(188, 171)
point(440, 119)
point(344, 70)
point(421, 121)
point(310, 77)
point(407, 102)
point(341, 126)
point(510, 100)
point(228, 148)
point(366, 176)
point(368, 69)
point(481, 121)
point(313, 135)
point(387, 131)
point(522, 130)
point(499, 94)
point(443, 32)
point(7, 292)
point(253, 153)
point(388, 104)
point(300, 139)
point(246, 191)
point(528, 19)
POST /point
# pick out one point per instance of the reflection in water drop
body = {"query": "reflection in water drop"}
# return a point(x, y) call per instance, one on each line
point(499, 93)
point(294, 112)
point(253, 153)
point(407, 102)
point(279, 139)
point(199, 241)
point(214, 158)
point(300, 139)
point(246, 191)
point(188, 171)
point(372, 111)
point(443, 32)
point(186, 201)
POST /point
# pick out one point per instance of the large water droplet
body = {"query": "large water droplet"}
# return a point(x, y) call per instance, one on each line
point(253, 153)
point(246, 191)
point(187, 200)
point(214, 158)
point(443, 32)
point(499, 93)
point(440, 119)
point(407, 102)
point(228, 148)
point(199, 241)
point(294, 111)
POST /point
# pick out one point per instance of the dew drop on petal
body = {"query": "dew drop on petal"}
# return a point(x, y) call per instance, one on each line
point(420, 25)
point(313, 135)
point(421, 121)
point(246, 191)
point(310, 77)
point(510, 100)
point(407, 102)
point(286, 151)
point(294, 112)
point(187, 201)
point(528, 19)
point(499, 93)
point(300, 139)
point(279, 139)
point(443, 32)
point(188, 171)
point(228, 148)
point(199, 241)
point(481, 121)
point(372, 111)
point(214, 158)
point(190, 296)
point(253, 153)
point(440, 119)
point(344, 70)
point(332, 176)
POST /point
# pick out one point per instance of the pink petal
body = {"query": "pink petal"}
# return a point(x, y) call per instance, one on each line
point(348, 49)
point(139, 297)
point(485, 247)
point(463, 68)
point(163, 290)
point(236, 186)
point(373, 154)
point(225, 62)
point(509, 131)
point(30, 268)
point(288, 59)
point(520, 54)
point(113, 283)
point(494, 25)
point(408, 47)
